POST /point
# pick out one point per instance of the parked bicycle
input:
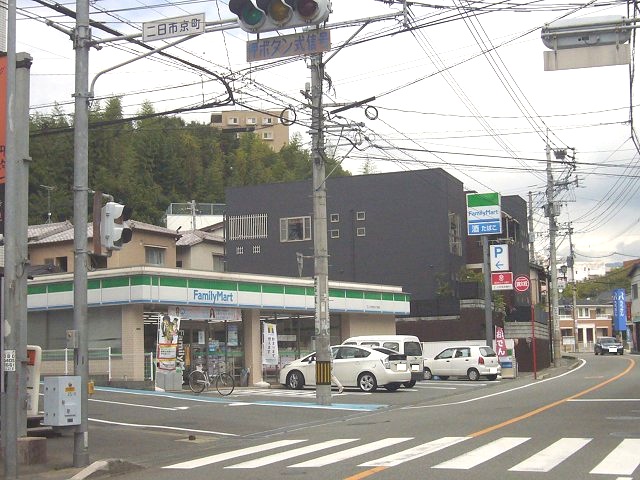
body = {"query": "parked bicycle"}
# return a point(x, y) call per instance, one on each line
point(200, 379)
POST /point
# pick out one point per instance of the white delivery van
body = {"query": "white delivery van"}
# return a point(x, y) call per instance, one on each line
point(406, 344)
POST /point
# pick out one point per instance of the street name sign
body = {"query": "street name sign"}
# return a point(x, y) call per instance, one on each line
point(499, 258)
point(502, 281)
point(173, 27)
point(484, 215)
point(305, 43)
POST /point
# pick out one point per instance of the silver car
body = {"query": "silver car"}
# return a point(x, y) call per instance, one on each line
point(466, 361)
point(354, 366)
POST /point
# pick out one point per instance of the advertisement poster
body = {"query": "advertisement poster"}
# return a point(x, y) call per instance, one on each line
point(619, 310)
point(501, 344)
point(168, 328)
point(269, 344)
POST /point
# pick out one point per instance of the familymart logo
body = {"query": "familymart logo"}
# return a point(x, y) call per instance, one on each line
point(213, 296)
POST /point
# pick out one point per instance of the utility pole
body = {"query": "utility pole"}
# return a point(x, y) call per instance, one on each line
point(574, 308)
point(48, 189)
point(532, 237)
point(488, 310)
point(553, 228)
point(81, 44)
point(320, 251)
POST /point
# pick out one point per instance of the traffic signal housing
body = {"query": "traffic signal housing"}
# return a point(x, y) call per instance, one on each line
point(256, 16)
point(113, 231)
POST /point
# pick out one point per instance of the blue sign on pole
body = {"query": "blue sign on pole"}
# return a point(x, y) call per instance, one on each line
point(619, 310)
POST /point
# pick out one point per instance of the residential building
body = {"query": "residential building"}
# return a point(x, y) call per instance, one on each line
point(593, 319)
point(266, 125)
point(634, 314)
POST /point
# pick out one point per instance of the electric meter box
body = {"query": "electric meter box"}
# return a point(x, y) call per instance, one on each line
point(62, 397)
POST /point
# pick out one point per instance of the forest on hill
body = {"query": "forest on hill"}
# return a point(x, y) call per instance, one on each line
point(151, 162)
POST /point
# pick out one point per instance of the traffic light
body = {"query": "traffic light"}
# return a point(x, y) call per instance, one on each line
point(113, 231)
point(256, 16)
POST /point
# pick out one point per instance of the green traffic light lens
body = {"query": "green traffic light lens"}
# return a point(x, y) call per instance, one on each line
point(251, 15)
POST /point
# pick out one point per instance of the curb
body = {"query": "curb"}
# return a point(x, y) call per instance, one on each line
point(106, 467)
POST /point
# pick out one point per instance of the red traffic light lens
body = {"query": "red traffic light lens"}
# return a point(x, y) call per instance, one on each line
point(307, 8)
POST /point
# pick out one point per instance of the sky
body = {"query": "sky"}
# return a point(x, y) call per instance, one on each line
point(464, 90)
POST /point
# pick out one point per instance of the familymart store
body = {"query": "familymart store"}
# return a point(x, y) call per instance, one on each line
point(220, 315)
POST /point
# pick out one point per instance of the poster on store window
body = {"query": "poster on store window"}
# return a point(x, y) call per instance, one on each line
point(168, 328)
point(269, 344)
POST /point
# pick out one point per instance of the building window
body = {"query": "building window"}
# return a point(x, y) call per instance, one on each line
point(267, 135)
point(334, 218)
point(154, 256)
point(361, 232)
point(218, 263)
point(256, 249)
point(267, 121)
point(239, 250)
point(334, 233)
point(583, 312)
point(98, 262)
point(178, 263)
point(360, 216)
point(455, 240)
point(634, 291)
point(60, 263)
point(251, 120)
point(216, 118)
point(295, 229)
point(247, 227)
point(232, 121)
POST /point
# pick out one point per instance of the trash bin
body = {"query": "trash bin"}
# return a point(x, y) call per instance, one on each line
point(244, 377)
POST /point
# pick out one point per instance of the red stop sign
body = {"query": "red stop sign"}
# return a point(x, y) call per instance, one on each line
point(521, 283)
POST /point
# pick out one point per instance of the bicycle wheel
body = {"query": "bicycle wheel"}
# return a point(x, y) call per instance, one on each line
point(225, 384)
point(197, 381)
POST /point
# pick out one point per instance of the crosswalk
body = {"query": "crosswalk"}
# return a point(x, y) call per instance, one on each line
point(622, 460)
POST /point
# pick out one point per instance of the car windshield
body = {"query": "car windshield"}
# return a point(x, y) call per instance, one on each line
point(604, 340)
point(412, 348)
point(487, 352)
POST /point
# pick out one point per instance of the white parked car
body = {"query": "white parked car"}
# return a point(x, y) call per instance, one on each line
point(466, 361)
point(354, 366)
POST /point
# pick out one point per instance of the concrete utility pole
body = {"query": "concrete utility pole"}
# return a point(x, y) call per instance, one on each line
point(553, 228)
point(574, 308)
point(488, 310)
point(532, 237)
point(81, 44)
point(320, 251)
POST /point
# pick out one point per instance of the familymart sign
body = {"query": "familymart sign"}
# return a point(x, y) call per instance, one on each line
point(484, 214)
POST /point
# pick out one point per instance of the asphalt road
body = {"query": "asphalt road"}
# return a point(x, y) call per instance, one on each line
point(574, 424)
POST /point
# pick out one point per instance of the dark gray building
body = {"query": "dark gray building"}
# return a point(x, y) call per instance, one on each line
point(402, 228)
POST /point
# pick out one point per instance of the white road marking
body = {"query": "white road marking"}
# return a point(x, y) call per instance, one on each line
point(137, 405)
point(220, 457)
point(551, 456)
point(350, 452)
point(482, 454)
point(623, 460)
point(162, 427)
point(278, 457)
point(413, 453)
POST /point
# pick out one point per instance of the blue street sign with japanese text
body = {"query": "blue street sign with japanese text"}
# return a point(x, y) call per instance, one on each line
point(305, 43)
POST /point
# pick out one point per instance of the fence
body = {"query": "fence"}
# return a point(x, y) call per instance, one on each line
point(101, 362)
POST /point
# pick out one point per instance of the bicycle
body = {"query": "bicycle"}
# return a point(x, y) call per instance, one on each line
point(200, 379)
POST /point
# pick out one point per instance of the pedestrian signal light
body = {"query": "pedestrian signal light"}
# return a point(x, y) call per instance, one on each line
point(256, 16)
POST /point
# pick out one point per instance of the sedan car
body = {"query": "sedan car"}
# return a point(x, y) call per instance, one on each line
point(471, 361)
point(606, 345)
point(354, 366)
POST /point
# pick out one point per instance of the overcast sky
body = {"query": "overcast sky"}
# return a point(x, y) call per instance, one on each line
point(465, 91)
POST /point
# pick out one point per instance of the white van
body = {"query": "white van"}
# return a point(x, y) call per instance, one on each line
point(406, 344)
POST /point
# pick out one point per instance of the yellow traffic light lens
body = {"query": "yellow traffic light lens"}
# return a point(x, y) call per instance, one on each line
point(279, 12)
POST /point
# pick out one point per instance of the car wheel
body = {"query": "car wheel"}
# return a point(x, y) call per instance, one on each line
point(595, 352)
point(367, 382)
point(392, 387)
point(409, 384)
point(427, 374)
point(620, 353)
point(473, 374)
point(492, 377)
point(295, 380)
